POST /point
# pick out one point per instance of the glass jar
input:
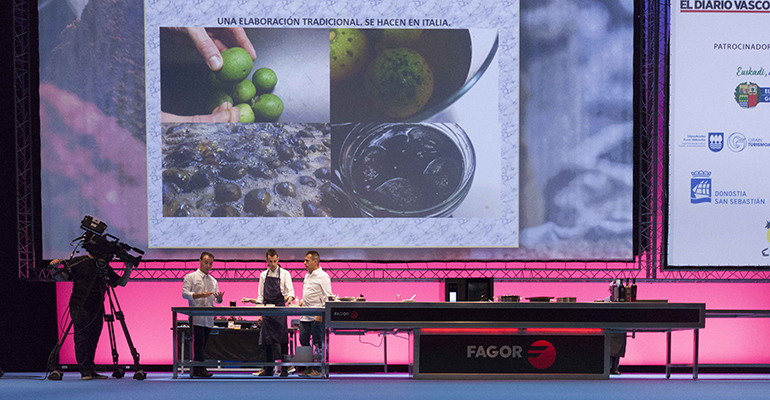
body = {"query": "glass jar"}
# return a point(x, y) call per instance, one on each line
point(407, 170)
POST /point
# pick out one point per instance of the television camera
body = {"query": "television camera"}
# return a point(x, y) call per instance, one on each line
point(105, 246)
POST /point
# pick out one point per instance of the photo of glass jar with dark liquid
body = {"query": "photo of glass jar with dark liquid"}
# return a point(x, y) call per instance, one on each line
point(407, 170)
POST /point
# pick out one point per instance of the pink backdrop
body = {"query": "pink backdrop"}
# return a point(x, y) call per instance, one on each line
point(147, 308)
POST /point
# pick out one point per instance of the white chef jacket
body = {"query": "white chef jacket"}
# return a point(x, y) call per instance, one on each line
point(198, 282)
point(287, 289)
point(316, 289)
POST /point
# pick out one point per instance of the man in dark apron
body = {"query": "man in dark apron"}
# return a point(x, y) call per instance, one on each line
point(275, 287)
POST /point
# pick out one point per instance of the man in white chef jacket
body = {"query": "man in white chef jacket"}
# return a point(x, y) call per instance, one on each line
point(201, 290)
point(315, 290)
point(274, 288)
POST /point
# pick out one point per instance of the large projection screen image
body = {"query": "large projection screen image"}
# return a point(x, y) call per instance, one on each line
point(381, 131)
point(719, 143)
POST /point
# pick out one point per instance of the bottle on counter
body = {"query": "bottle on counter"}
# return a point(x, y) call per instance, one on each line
point(614, 290)
point(628, 290)
point(633, 291)
point(621, 292)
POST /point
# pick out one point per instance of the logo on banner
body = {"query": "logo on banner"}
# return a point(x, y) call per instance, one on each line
point(348, 314)
point(493, 351)
point(758, 142)
point(716, 141)
point(766, 251)
point(727, 5)
point(694, 140)
point(542, 354)
point(749, 94)
point(736, 142)
point(700, 187)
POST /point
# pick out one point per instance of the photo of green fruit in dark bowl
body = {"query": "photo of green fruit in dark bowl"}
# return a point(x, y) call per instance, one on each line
point(389, 75)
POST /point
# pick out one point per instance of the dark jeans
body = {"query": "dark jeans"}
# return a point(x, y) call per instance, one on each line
point(314, 329)
point(200, 337)
point(270, 355)
point(88, 327)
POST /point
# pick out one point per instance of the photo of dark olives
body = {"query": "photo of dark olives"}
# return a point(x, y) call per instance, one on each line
point(249, 170)
point(405, 170)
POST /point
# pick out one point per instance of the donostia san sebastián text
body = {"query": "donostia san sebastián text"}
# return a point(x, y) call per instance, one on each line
point(736, 197)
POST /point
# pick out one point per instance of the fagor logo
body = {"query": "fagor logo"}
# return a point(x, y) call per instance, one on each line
point(505, 351)
point(542, 354)
point(350, 314)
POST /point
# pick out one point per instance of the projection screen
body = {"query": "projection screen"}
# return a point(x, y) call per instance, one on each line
point(408, 131)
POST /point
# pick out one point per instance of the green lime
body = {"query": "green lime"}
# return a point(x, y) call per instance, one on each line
point(218, 83)
point(236, 65)
point(244, 91)
point(268, 107)
point(217, 99)
point(264, 80)
point(400, 82)
point(347, 52)
point(247, 114)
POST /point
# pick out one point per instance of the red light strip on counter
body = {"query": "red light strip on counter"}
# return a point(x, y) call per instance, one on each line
point(577, 331)
point(509, 331)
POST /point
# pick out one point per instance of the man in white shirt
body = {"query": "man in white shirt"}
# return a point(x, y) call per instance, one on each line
point(315, 290)
point(274, 288)
point(201, 290)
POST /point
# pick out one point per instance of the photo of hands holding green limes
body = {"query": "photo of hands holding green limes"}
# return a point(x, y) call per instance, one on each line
point(252, 96)
point(232, 74)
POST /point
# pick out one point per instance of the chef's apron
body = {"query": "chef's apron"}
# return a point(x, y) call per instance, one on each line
point(274, 329)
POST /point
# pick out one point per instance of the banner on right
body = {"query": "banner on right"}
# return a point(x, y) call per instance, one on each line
point(719, 140)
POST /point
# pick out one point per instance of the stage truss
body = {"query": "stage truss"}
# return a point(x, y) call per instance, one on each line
point(248, 271)
point(652, 59)
point(25, 156)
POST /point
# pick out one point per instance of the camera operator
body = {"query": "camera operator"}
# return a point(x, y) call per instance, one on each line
point(90, 273)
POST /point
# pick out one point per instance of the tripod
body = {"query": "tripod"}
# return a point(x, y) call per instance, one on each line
point(115, 313)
